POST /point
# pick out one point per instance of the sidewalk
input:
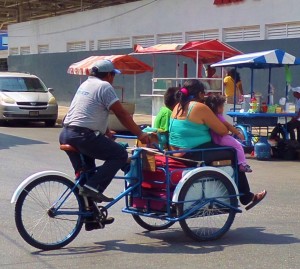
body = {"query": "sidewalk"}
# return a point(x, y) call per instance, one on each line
point(138, 118)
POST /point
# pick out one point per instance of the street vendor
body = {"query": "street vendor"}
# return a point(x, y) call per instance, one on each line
point(233, 85)
point(294, 123)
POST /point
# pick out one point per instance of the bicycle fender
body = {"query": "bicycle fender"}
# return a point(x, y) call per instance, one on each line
point(195, 171)
point(35, 176)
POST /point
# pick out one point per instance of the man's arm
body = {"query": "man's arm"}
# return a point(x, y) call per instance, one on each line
point(125, 118)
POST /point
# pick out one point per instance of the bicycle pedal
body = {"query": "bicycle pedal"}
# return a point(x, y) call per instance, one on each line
point(89, 226)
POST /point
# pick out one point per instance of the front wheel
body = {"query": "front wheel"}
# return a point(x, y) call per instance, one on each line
point(47, 213)
point(152, 224)
point(207, 199)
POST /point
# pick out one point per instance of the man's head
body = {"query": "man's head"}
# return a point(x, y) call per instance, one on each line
point(296, 92)
point(105, 70)
point(210, 71)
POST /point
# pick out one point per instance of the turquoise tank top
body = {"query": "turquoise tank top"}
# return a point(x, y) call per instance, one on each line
point(187, 134)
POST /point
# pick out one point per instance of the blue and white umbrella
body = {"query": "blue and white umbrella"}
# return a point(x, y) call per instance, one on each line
point(263, 59)
point(259, 60)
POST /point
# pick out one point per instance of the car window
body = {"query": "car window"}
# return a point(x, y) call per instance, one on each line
point(15, 84)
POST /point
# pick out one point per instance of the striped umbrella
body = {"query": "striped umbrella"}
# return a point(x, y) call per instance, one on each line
point(263, 59)
point(125, 63)
point(258, 60)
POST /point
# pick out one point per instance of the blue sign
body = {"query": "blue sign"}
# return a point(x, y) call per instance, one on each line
point(3, 41)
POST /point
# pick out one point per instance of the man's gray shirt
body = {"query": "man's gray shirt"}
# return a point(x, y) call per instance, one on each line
point(90, 105)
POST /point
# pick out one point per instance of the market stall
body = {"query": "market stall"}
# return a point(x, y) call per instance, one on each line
point(201, 52)
point(128, 65)
point(255, 116)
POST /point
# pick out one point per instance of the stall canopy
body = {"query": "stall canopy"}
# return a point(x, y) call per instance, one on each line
point(263, 59)
point(125, 63)
point(204, 51)
point(258, 60)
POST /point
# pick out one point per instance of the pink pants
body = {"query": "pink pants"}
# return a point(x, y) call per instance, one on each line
point(228, 140)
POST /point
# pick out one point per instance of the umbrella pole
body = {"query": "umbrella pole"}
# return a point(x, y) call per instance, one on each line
point(269, 87)
point(134, 87)
point(177, 69)
point(235, 88)
point(197, 64)
point(251, 91)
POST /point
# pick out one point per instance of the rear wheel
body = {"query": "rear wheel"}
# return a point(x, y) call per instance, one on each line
point(39, 221)
point(152, 224)
point(209, 193)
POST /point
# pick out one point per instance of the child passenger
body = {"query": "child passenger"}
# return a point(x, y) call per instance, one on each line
point(162, 119)
point(216, 104)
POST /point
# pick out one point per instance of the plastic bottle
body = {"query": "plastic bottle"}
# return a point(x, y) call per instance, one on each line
point(254, 104)
point(264, 107)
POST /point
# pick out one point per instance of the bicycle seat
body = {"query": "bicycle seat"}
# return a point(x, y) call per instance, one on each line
point(67, 147)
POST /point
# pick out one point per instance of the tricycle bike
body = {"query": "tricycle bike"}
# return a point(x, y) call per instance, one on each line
point(50, 212)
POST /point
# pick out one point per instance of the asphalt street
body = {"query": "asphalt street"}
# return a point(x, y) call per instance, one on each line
point(267, 236)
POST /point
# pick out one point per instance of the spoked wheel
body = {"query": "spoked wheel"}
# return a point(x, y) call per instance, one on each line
point(208, 194)
point(36, 217)
point(152, 224)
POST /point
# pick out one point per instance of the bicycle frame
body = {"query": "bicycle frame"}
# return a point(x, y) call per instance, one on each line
point(133, 180)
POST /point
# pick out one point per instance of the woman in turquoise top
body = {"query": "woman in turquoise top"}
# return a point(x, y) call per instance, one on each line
point(191, 119)
point(189, 129)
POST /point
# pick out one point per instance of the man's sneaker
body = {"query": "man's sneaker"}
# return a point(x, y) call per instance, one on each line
point(93, 225)
point(245, 168)
point(94, 194)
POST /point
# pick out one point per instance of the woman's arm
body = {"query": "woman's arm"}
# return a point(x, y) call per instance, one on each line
point(206, 116)
point(233, 130)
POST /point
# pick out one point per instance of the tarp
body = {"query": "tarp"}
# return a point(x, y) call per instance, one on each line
point(206, 51)
point(263, 59)
point(125, 63)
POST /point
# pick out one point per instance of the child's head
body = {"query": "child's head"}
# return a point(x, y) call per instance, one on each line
point(170, 97)
point(215, 103)
point(210, 71)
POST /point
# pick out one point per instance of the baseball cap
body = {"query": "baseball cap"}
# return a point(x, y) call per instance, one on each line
point(297, 89)
point(105, 66)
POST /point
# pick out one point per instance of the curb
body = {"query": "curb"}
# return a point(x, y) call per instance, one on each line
point(139, 119)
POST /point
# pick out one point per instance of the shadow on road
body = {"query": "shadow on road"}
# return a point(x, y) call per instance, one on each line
point(174, 241)
point(8, 141)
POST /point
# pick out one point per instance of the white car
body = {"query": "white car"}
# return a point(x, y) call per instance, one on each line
point(25, 97)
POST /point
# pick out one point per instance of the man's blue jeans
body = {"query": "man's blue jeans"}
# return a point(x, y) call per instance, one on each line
point(93, 147)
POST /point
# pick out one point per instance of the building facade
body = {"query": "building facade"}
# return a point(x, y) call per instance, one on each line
point(47, 47)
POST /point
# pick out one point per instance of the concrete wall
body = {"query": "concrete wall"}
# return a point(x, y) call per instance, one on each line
point(148, 17)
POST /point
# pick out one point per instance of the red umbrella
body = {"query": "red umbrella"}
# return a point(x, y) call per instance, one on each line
point(206, 51)
point(125, 63)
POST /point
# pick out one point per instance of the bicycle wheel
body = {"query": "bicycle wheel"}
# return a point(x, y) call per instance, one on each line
point(152, 224)
point(36, 220)
point(213, 219)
